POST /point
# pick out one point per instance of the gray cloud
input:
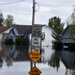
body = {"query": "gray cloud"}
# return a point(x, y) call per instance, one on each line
point(22, 11)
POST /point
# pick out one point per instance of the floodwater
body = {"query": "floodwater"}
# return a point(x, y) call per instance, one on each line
point(60, 62)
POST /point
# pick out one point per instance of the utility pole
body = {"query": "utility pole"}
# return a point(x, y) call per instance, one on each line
point(35, 45)
point(33, 13)
point(33, 19)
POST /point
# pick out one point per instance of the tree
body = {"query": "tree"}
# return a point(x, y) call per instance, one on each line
point(71, 18)
point(55, 23)
point(71, 22)
point(9, 20)
point(1, 19)
point(57, 26)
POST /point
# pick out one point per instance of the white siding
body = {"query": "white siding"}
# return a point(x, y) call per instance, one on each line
point(47, 43)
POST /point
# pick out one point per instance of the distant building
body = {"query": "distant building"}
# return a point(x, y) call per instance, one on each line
point(66, 37)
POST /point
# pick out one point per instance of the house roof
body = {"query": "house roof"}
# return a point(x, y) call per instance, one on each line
point(65, 30)
point(24, 29)
point(3, 28)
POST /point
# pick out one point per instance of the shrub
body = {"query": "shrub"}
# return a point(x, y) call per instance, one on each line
point(18, 41)
point(8, 41)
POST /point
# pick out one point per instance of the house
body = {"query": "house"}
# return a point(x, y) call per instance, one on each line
point(24, 31)
point(3, 31)
point(67, 38)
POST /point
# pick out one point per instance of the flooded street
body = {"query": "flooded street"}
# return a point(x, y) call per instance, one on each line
point(60, 63)
point(23, 68)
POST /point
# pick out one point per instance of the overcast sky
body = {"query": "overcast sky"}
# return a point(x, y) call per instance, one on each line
point(22, 11)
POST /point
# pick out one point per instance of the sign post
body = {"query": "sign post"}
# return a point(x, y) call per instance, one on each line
point(33, 18)
point(35, 45)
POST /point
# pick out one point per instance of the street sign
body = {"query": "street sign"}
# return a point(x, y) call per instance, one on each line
point(36, 31)
point(35, 71)
point(36, 37)
point(36, 43)
point(35, 56)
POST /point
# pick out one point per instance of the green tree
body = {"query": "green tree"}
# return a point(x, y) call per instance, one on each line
point(9, 20)
point(55, 23)
point(1, 19)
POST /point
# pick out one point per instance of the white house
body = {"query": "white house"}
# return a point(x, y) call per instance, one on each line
point(25, 31)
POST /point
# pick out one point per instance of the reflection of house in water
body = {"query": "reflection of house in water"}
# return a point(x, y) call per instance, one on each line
point(18, 53)
point(68, 59)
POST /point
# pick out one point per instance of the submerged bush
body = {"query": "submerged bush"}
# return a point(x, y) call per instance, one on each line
point(25, 41)
point(8, 41)
point(18, 41)
point(22, 41)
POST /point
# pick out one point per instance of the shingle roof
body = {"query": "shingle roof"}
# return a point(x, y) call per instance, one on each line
point(3, 28)
point(68, 27)
point(24, 29)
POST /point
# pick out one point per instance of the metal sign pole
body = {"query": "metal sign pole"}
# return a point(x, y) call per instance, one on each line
point(33, 16)
point(35, 45)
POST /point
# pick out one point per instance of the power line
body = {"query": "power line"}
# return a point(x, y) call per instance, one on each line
point(12, 2)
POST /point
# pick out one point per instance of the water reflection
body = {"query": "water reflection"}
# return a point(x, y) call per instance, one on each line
point(21, 53)
point(55, 60)
point(10, 53)
point(4, 56)
point(67, 58)
point(18, 53)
